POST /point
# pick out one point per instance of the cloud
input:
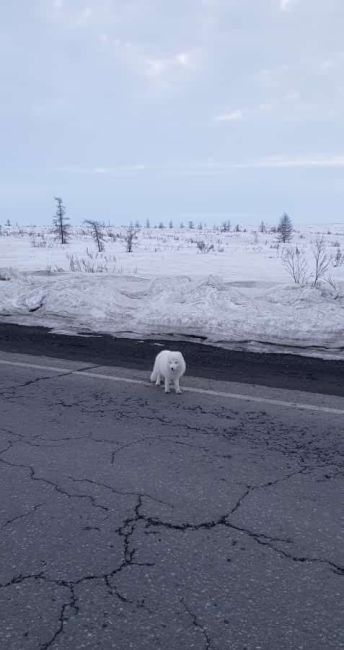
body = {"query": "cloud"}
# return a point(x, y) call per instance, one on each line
point(266, 107)
point(158, 68)
point(233, 116)
point(71, 16)
point(210, 168)
point(271, 78)
point(84, 17)
point(287, 5)
point(167, 66)
point(306, 162)
point(119, 169)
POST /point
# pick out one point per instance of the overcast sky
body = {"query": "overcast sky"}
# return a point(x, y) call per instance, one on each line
point(182, 109)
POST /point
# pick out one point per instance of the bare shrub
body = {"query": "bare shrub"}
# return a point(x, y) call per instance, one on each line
point(295, 263)
point(5, 275)
point(335, 292)
point(226, 226)
point(322, 260)
point(338, 260)
point(39, 241)
point(113, 235)
point(203, 247)
point(130, 237)
point(92, 263)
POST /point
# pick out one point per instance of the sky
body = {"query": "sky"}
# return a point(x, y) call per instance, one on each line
point(200, 110)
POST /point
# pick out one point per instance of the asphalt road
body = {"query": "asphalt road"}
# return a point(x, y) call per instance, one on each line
point(275, 370)
point(134, 519)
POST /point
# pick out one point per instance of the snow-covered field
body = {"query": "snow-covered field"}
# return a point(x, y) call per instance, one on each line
point(239, 293)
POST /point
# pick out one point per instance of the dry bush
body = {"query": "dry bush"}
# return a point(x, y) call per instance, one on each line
point(322, 260)
point(203, 247)
point(295, 263)
point(92, 263)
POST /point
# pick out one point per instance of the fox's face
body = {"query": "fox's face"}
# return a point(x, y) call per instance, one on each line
point(173, 364)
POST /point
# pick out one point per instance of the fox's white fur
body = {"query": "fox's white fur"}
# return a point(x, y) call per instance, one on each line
point(169, 366)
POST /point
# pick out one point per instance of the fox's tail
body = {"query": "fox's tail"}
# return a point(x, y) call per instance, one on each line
point(154, 374)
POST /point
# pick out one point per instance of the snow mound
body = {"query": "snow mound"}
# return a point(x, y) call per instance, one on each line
point(210, 307)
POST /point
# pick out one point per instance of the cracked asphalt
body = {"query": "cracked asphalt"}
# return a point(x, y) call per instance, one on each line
point(132, 519)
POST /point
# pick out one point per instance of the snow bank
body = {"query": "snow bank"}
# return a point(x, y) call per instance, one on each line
point(221, 311)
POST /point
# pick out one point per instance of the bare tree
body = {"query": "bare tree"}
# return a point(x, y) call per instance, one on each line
point(226, 226)
point(130, 238)
point(338, 260)
point(262, 227)
point(97, 233)
point(322, 260)
point(295, 263)
point(285, 229)
point(147, 224)
point(61, 227)
point(203, 247)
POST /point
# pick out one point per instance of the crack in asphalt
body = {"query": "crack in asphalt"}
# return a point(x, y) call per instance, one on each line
point(126, 532)
point(198, 626)
point(116, 451)
point(303, 448)
point(36, 380)
point(119, 414)
point(120, 492)
point(32, 510)
point(130, 523)
point(252, 488)
point(261, 538)
point(30, 382)
point(55, 486)
point(68, 609)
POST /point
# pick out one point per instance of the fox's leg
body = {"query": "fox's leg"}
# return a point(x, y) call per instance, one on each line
point(167, 385)
point(177, 387)
point(158, 380)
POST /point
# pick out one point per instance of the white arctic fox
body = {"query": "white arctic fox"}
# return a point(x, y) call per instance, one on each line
point(169, 366)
